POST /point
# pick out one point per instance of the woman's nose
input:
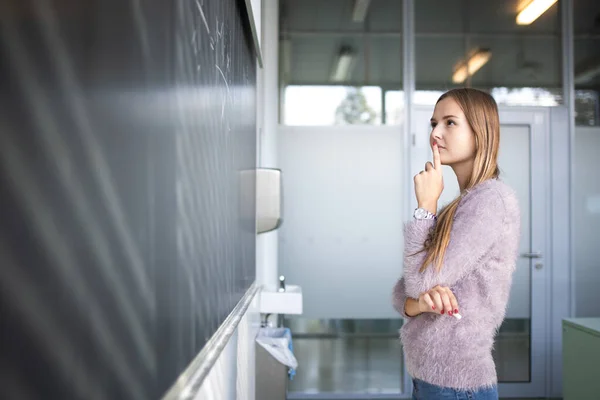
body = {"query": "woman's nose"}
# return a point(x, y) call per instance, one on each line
point(436, 134)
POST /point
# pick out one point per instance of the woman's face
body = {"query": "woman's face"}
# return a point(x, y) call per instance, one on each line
point(451, 131)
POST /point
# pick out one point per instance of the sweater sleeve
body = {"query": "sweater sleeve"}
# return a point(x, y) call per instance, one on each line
point(399, 298)
point(415, 235)
point(479, 222)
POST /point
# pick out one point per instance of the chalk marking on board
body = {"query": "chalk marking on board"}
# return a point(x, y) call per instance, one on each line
point(202, 15)
point(224, 80)
point(194, 44)
point(227, 85)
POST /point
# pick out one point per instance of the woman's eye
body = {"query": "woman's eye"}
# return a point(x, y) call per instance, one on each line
point(433, 125)
point(450, 122)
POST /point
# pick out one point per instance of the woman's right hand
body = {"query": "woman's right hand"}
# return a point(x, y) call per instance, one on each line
point(438, 300)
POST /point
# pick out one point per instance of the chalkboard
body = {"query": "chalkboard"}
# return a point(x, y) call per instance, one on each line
point(125, 128)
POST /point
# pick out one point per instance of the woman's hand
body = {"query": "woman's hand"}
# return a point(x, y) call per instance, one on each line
point(430, 183)
point(438, 300)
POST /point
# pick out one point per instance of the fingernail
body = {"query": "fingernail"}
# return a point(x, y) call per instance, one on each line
point(435, 143)
point(456, 311)
point(443, 311)
point(433, 307)
point(450, 312)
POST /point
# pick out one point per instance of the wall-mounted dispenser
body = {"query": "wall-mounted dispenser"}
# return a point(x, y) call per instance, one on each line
point(268, 199)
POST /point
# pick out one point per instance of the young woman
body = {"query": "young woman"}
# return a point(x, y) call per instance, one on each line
point(458, 264)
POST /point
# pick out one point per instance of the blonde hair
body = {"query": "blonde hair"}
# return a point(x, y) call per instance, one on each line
point(481, 112)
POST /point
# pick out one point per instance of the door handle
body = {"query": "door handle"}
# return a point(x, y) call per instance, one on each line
point(532, 255)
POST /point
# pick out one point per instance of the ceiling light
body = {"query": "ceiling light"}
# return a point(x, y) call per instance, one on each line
point(360, 10)
point(587, 71)
point(343, 66)
point(477, 60)
point(533, 10)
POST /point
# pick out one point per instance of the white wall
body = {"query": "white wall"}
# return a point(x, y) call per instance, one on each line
point(233, 375)
point(586, 221)
point(267, 244)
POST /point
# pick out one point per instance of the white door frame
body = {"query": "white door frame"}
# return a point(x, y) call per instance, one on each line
point(538, 119)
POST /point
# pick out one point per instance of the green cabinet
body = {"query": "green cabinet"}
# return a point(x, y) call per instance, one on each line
point(581, 359)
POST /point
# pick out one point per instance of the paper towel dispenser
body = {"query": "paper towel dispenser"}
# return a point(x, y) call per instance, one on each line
point(268, 199)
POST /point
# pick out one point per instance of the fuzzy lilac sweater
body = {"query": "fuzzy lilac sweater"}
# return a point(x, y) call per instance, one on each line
point(477, 267)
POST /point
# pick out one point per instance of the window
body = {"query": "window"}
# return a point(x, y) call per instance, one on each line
point(337, 59)
point(587, 62)
point(332, 105)
point(468, 43)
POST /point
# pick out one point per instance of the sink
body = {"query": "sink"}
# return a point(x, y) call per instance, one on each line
point(274, 302)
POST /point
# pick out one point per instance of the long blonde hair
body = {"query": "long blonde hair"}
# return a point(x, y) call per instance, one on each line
point(481, 113)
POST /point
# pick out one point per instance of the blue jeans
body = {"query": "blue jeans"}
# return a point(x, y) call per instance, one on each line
point(427, 391)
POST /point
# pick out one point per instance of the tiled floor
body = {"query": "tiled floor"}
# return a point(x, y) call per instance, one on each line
point(361, 365)
point(371, 362)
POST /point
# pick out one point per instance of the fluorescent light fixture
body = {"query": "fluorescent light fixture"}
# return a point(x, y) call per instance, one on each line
point(476, 60)
point(587, 71)
point(343, 66)
point(360, 10)
point(533, 10)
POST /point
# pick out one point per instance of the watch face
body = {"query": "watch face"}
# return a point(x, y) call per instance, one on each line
point(420, 213)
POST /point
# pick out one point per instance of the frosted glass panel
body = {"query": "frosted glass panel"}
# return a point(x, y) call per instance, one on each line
point(586, 221)
point(514, 161)
point(341, 237)
point(515, 168)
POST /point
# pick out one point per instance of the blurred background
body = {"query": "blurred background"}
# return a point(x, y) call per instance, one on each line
point(130, 262)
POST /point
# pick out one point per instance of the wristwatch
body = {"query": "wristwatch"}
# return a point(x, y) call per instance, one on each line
point(421, 213)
